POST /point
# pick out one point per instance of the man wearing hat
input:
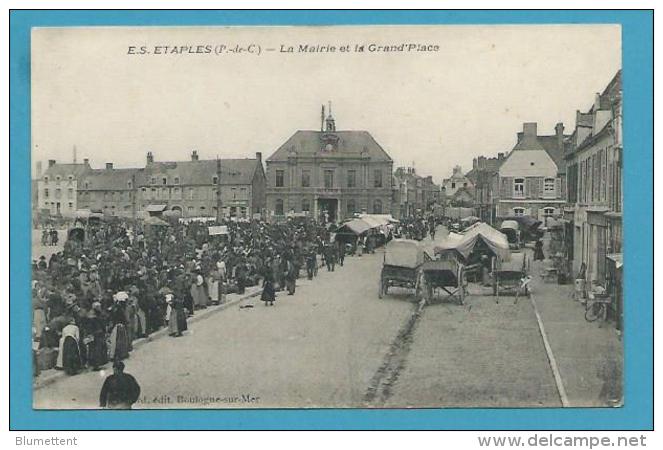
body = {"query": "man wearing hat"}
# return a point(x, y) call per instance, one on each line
point(120, 390)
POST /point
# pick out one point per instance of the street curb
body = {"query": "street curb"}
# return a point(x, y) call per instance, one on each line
point(200, 315)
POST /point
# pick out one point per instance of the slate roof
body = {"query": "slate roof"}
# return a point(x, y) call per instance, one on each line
point(64, 170)
point(202, 172)
point(350, 143)
point(110, 179)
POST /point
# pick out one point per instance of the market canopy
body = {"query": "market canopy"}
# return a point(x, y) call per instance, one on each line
point(155, 208)
point(155, 221)
point(510, 224)
point(404, 253)
point(383, 219)
point(356, 226)
point(480, 232)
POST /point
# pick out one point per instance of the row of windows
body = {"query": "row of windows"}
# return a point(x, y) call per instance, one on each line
point(350, 205)
point(328, 178)
point(58, 178)
point(599, 180)
point(176, 180)
point(190, 193)
point(549, 188)
point(56, 205)
point(58, 193)
point(548, 211)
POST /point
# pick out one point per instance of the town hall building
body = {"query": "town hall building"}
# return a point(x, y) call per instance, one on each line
point(329, 174)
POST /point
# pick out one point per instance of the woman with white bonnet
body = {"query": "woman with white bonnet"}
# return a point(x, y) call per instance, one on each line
point(119, 342)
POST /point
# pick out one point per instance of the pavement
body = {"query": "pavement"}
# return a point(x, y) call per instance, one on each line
point(335, 344)
point(318, 348)
point(589, 355)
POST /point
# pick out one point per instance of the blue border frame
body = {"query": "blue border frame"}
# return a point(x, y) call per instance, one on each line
point(637, 414)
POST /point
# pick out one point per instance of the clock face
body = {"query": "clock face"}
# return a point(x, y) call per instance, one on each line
point(329, 147)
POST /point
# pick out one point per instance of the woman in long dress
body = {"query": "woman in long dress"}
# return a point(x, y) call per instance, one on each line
point(268, 292)
point(119, 340)
point(538, 251)
point(213, 287)
point(69, 356)
point(176, 316)
point(198, 291)
point(97, 348)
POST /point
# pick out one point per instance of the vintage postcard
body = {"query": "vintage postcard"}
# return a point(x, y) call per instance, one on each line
point(327, 217)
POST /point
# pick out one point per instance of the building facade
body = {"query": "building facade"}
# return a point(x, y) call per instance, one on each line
point(458, 180)
point(110, 190)
point(187, 188)
point(329, 173)
point(57, 187)
point(595, 195)
point(409, 198)
point(190, 187)
point(484, 170)
point(531, 180)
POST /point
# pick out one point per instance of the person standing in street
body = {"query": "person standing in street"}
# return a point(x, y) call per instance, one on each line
point(292, 270)
point(340, 251)
point(538, 251)
point(120, 390)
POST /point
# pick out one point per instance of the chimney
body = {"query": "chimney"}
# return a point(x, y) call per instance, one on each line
point(86, 161)
point(150, 157)
point(474, 163)
point(529, 129)
point(500, 156)
point(597, 102)
point(559, 132)
point(259, 157)
point(194, 155)
point(109, 166)
point(51, 162)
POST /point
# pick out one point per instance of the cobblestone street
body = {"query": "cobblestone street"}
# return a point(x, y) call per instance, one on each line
point(325, 345)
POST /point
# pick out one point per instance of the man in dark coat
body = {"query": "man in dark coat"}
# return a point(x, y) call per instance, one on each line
point(310, 263)
point(538, 251)
point(119, 390)
point(340, 251)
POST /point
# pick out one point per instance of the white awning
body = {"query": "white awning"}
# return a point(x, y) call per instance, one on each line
point(155, 208)
point(618, 258)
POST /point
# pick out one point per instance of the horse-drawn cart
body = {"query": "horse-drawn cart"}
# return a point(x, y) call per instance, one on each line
point(511, 276)
point(402, 259)
point(444, 272)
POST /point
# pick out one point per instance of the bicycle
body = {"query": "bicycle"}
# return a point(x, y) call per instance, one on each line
point(597, 307)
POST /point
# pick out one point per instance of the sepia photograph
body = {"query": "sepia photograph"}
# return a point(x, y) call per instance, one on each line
point(347, 216)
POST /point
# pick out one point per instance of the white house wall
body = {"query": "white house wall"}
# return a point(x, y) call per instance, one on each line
point(528, 163)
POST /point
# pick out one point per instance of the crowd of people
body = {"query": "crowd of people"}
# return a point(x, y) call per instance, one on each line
point(120, 280)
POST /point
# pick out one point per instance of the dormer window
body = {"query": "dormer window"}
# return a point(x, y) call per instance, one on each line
point(215, 180)
point(153, 180)
point(176, 180)
point(129, 184)
point(164, 180)
point(46, 179)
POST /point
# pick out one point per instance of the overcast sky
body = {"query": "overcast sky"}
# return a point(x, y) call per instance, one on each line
point(436, 109)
